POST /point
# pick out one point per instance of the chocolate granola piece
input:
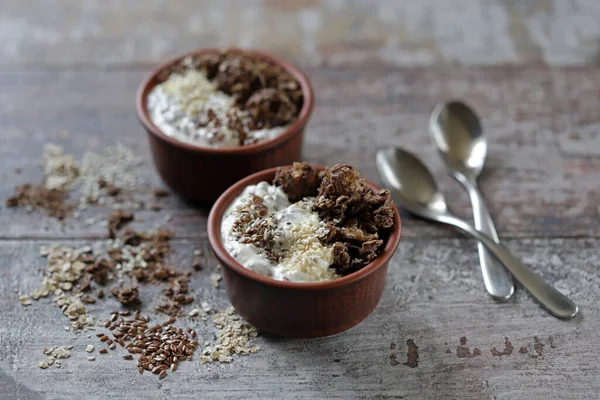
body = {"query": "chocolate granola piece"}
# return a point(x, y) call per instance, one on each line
point(298, 181)
point(238, 77)
point(369, 250)
point(341, 258)
point(132, 238)
point(127, 295)
point(111, 189)
point(332, 209)
point(117, 220)
point(354, 233)
point(170, 307)
point(164, 273)
point(100, 270)
point(208, 63)
point(271, 107)
point(342, 180)
point(160, 193)
point(356, 216)
point(178, 68)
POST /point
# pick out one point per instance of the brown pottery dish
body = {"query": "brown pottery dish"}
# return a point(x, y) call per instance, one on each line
point(299, 309)
point(200, 174)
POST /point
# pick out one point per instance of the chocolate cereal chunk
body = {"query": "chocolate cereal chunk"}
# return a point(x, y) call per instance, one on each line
point(127, 295)
point(237, 76)
point(342, 180)
point(341, 258)
point(117, 220)
point(100, 270)
point(271, 107)
point(208, 63)
point(298, 181)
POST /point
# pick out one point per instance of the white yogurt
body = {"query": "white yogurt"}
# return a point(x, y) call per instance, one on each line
point(303, 258)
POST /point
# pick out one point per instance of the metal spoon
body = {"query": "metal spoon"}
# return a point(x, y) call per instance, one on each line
point(414, 188)
point(459, 139)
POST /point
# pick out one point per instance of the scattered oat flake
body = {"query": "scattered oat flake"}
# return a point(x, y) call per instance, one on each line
point(53, 354)
point(233, 338)
point(214, 279)
point(24, 300)
point(89, 348)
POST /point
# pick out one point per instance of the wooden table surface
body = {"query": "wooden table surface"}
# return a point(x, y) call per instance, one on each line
point(378, 67)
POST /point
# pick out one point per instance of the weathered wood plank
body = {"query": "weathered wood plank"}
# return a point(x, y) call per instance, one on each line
point(434, 296)
point(406, 33)
point(540, 178)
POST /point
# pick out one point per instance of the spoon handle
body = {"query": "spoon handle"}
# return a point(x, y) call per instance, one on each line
point(497, 280)
point(555, 302)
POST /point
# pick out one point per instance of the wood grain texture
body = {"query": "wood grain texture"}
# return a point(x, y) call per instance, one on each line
point(316, 32)
point(541, 175)
point(434, 296)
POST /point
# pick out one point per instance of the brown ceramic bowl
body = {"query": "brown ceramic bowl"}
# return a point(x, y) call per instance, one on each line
point(298, 309)
point(200, 174)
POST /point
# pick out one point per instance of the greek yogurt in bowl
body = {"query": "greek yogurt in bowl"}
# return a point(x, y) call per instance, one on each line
point(271, 236)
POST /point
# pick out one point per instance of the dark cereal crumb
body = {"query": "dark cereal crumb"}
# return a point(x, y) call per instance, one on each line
point(109, 188)
point(127, 295)
point(298, 181)
point(412, 355)
point(508, 349)
point(160, 193)
point(270, 107)
point(34, 197)
point(117, 220)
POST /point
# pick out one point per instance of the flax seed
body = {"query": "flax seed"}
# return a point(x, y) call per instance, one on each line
point(128, 357)
point(104, 338)
point(103, 351)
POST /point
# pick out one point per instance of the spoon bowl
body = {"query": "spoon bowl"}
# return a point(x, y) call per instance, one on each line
point(413, 184)
point(459, 138)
